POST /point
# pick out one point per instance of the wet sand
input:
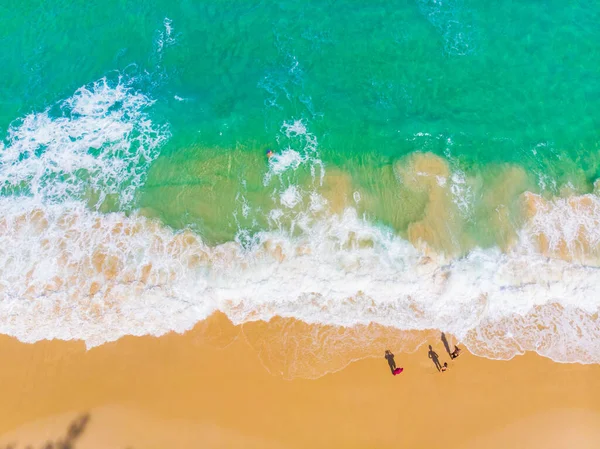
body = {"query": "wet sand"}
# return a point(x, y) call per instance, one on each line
point(212, 388)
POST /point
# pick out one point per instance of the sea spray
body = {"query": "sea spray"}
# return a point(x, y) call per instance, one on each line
point(98, 142)
point(426, 172)
point(114, 275)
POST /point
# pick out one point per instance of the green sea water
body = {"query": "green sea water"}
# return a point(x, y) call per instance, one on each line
point(478, 83)
point(435, 166)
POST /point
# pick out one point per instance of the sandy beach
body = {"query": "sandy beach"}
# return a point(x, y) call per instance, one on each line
point(214, 387)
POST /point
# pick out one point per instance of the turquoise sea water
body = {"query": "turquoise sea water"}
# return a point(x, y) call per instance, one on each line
point(498, 80)
point(401, 130)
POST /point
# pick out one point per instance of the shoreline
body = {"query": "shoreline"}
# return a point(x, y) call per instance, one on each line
point(213, 386)
point(344, 271)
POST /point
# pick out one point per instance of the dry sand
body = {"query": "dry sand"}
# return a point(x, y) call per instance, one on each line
point(209, 388)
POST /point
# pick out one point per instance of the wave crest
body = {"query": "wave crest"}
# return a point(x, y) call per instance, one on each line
point(97, 143)
point(71, 273)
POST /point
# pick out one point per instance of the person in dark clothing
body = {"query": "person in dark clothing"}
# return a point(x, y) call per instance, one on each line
point(456, 352)
point(390, 359)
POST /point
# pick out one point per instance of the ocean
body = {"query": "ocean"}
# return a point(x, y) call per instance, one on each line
point(435, 166)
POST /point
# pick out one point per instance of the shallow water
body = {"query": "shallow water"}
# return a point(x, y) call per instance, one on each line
point(435, 166)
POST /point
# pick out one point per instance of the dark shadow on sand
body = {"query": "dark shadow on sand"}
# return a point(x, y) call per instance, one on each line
point(434, 358)
point(69, 441)
point(446, 345)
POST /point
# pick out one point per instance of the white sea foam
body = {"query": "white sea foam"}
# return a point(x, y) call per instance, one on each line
point(99, 141)
point(571, 225)
point(168, 24)
point(165, 37)
point(317, 202)
point(68, 273)
point(462, 194)
point(300, 148)
point(288, 159)
point(300, 151)
point(291, 197)
point(72, 273)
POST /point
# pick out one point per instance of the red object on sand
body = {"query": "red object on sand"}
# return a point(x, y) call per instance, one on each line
point(398, 371)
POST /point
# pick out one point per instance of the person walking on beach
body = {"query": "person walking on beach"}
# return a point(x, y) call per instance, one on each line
point(390, 359)
point(435, 358)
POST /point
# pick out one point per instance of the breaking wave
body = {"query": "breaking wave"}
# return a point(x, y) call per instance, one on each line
point(96, 143)
point(69, 271)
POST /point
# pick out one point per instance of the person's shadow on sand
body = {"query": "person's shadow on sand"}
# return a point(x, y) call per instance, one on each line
point(390, 359)
point(435, 358)
point(446, 345)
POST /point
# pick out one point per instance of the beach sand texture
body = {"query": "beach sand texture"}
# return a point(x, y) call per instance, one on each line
point(212, 387)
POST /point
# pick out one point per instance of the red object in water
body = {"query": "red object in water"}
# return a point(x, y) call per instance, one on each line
point(398, 371)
